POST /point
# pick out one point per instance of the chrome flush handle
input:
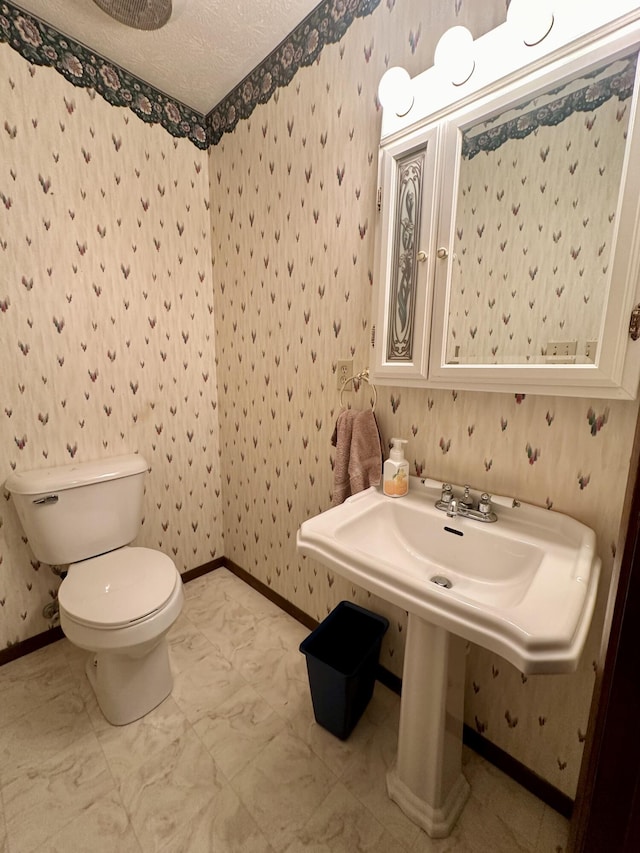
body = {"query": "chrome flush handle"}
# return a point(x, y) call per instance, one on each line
point(49, 499)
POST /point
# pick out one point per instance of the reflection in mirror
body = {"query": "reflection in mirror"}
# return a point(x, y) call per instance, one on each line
point(535, 223)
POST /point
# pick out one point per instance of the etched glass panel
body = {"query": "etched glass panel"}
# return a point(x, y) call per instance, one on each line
point(402, 303)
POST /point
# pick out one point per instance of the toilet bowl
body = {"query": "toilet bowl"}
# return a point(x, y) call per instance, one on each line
point(119, 606)
point(117, 601)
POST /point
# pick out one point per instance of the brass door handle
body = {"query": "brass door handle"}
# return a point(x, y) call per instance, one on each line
point(442, 253)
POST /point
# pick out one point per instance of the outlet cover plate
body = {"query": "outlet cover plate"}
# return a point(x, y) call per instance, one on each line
point(344, 371)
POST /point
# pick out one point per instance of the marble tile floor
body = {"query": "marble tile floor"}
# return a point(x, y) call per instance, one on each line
point(232, 761)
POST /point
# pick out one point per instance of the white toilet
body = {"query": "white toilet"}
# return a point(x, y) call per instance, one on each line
point(118, 602)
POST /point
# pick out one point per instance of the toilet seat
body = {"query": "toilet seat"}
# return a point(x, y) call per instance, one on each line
point(119, 588)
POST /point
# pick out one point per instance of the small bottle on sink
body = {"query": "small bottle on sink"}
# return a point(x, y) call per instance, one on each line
point(395, 472)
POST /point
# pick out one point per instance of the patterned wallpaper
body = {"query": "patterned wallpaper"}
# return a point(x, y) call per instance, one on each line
point(293, 214)
point(116, 332)
point(106, 318)
point(533, 239)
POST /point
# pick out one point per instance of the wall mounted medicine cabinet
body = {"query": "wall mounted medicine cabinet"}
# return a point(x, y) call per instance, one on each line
point(508, 234)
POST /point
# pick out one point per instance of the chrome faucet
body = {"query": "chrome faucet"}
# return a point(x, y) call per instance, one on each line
point(466, 501)
point(464, 506)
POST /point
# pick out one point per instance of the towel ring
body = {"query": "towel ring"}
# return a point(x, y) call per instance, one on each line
point(363, 375)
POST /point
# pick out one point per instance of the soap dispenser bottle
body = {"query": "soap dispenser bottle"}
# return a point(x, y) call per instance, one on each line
point(395, 473)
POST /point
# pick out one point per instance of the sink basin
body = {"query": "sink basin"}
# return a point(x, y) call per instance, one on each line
point(482, 565)
point(523, 587)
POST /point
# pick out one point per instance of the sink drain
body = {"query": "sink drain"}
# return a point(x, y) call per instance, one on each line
point(440, 580)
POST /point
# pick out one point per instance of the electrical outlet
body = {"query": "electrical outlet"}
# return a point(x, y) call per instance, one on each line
point(344, 371)
point(562, 348)
point(590, 350)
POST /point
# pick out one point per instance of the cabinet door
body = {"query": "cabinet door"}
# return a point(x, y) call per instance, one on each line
point(406, 228)
point(538, 225)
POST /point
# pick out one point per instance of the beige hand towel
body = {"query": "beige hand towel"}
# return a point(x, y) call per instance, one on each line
point(358, 462)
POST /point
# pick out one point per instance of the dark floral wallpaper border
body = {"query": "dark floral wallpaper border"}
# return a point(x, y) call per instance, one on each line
point(41, 44)
point(326, 24)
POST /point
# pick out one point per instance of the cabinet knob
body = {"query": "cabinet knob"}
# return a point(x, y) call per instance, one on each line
point(422, 256)
point(442, 253)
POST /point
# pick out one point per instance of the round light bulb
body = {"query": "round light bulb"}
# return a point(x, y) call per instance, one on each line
point(394, 90)
point(531, 21)
point(454, 55)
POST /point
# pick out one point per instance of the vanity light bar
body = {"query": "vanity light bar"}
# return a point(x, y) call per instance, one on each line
point(463, 67)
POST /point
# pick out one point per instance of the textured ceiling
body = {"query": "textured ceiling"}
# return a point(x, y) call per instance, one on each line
point(205, 50)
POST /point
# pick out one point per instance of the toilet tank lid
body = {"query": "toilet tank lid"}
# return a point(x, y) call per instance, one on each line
point(75, 475)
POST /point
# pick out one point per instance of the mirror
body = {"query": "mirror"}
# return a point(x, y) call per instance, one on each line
point(535, 215)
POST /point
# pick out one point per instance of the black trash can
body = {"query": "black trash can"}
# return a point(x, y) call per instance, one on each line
point(342, 657)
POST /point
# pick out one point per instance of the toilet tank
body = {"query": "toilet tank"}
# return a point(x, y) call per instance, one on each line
point(80, 510)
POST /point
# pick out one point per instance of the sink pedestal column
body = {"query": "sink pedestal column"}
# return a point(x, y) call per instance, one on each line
point(427, 781)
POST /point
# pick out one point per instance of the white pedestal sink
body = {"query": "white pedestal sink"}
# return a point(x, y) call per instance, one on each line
point(523, 587)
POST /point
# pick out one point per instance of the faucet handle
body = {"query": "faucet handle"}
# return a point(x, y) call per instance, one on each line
point(447, 493)
point(484, 504)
